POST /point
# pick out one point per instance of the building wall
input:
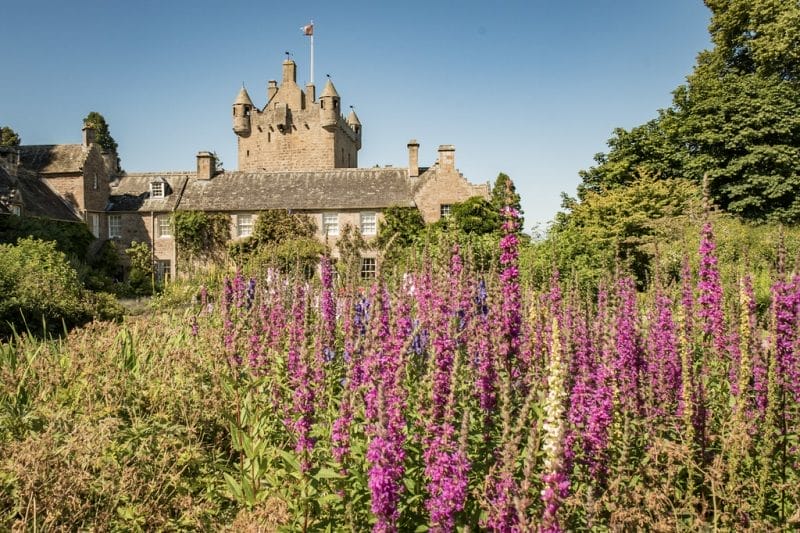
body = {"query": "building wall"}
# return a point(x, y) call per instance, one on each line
point(141, 227)
point(447, 187)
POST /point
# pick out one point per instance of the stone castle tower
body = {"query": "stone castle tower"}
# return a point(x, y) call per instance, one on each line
point(295, 130)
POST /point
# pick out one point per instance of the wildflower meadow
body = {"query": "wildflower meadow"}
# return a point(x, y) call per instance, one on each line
point(444, 398)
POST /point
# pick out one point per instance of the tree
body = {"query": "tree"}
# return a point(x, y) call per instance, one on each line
point(102, 135)
point(504, 193)
point(737, 120)
point(8, 137)
point(476, 216)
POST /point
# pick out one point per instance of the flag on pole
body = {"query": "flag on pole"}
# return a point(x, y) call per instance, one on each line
point(308, 29)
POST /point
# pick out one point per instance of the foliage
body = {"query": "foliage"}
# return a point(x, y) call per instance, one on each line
point(351, 246)
point(199, 235)
point(504, 194)
point(475, 216)
point(8, 137)
point(300, 254)
point(42, 293)
point(453, 400)
point(141, 277)
point(275, 226)
point(737, 120)
point(399, 227)
point(71, 238)
point(102, 135)
point(619, 226)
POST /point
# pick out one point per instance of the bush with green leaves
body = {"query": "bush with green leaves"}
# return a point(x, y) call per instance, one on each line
point(201, 236)
point(41, 290)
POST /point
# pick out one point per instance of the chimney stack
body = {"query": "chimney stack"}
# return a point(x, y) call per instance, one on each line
point(272, 88)
point(206, 165)
point(447, 157)
point(88, 135)
point(413, 158)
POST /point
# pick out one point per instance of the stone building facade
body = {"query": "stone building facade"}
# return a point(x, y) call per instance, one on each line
point(298, 152)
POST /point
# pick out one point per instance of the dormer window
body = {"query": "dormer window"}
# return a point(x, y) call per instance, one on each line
point(157, 189)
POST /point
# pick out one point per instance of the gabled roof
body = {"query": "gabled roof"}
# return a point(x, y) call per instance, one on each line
point(350, 188)
point(39, 200)
point(54, 158)
point(131, 192)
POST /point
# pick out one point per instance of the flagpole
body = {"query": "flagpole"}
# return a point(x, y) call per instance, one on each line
point(312, 56)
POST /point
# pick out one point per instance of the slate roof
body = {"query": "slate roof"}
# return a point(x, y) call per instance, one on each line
point(53, 158)
point(131, 192)
point(350, 188)
point(39, 200)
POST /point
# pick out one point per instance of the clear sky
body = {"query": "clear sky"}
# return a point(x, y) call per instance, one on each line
point(530, 88)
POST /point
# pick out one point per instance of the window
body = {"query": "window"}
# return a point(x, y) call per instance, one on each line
point(330, 223)
point(367, 267)
point(162, 270)
point(157, 189)
point(368, 226)
point(15, 210)
point(244, 225)
point(94, 224)
point(114, 226)
point(444, 210)
point(163, 226)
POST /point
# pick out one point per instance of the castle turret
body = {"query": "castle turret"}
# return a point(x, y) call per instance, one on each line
point(242, 107)
point(329, 106)
point(355, 125)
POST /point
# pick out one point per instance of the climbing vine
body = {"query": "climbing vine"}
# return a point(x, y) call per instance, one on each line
point(200, 235)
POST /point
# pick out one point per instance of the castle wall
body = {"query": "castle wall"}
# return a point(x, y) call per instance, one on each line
point(302, 145)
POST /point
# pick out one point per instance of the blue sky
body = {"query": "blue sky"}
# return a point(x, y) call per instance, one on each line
point(530, 88)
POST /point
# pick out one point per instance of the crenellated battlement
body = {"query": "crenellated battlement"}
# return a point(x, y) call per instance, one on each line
point(295, 130)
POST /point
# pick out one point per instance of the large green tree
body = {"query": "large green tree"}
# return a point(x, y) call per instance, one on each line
point(736, 120)
point(102, 135)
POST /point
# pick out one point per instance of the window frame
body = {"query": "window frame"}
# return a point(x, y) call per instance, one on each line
point(445, 210)
point(373, 223)
point(330, 229)
point(162, 270)
point(239, 226)
point(114, 220)
point(158, 189)
point(160, 228)
point(368, 268)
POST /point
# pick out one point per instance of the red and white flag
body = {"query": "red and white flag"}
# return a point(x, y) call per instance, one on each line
point(308, 29)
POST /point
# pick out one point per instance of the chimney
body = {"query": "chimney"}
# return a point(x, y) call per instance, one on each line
point(311, 93)
point(447, 157)
point(289, 72)
point(413, 158)
point(88, 135)
point(272, 88)
point(206, 165)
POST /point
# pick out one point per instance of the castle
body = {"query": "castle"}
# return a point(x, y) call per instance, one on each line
point(298, 152)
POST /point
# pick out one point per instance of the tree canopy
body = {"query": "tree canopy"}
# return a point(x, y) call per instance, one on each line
point(736, 120)
point(8, 137)
point(102, 135)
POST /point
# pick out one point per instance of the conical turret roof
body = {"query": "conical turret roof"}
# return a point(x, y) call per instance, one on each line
point(243, 97)
point(329, 90)
point(352, 119)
